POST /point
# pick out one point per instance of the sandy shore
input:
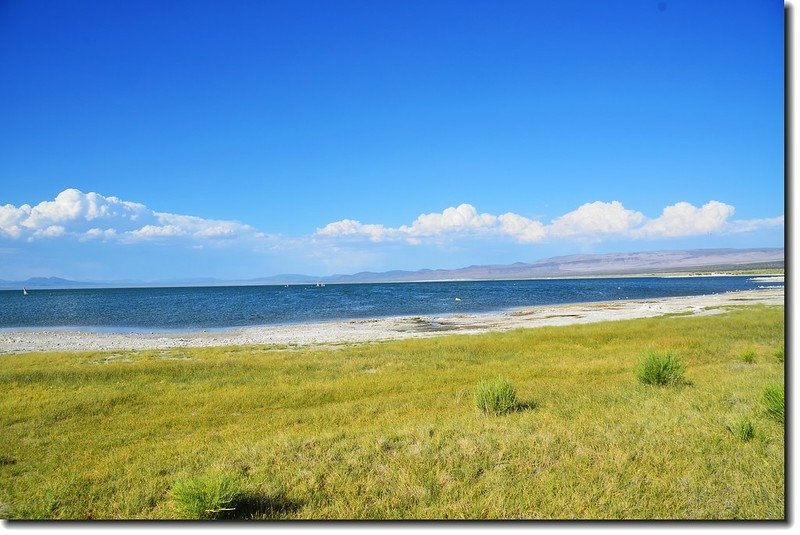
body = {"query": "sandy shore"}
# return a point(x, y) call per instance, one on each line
point(364, 330)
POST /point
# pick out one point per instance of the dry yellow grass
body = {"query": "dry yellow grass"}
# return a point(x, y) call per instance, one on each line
point(390, 430)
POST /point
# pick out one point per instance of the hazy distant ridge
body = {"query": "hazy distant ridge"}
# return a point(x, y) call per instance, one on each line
point(562, 266)
point(591, 265)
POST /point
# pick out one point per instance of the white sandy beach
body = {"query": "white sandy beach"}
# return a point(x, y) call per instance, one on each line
point(365, 330)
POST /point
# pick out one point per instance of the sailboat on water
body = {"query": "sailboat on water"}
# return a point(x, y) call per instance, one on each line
point(24, 291)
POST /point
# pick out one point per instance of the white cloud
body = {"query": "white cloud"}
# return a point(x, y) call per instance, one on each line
point(460, 221)
point(91, 216)
point(221, 230)
point(154, 231)
point(350, 227)
point(197, 227)
point(52, 231)
point(97, 233)
point(596, 219)
point(72, 205)
point(11, 219)
point(462, 218)
point(593, 221)
point(523, 229)
point(683, 219)
point(749, 225)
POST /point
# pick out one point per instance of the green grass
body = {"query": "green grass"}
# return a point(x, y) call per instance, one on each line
point(660, 369)
point(207, 497)
point(780, 354)
point(496, 397)
point(774, 402)
point(390, 430)
point(748, 356)
point(743, 429)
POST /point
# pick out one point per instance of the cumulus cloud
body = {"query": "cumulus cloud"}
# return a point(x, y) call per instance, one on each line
point(596, 219)
point(91, 216)
point(462, 221)
point(521, 228)
point(350, 227)
point(154, 231)
point(97, 233)
point(464, 217)
point(683, 219)
point(11, 219)
point(74, 206)
point(51, 231)
point(591, 221)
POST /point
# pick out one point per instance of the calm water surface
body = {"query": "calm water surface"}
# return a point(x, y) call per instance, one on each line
point(220, 307)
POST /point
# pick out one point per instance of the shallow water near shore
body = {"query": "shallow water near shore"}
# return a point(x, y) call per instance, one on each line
point(185, 309)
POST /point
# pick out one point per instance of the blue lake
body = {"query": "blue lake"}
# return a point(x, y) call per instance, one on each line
point(221, 307)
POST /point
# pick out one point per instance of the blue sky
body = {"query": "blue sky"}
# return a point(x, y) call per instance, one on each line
point(153, 140)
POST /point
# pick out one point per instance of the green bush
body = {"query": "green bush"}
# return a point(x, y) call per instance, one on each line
point(496, 397)
point(205, 497)
point(660, 369)
point(775, 402)
point(743, 429)
point(749, 356)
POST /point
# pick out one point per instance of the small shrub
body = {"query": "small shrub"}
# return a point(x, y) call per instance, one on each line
point(496, 397)
point(780, 354)
point(743, 430)
point(749, 356)
point(206, 497)
point(660, 369)
point(775, 402)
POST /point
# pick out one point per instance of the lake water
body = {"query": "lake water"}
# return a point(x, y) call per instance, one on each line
point(120, 309)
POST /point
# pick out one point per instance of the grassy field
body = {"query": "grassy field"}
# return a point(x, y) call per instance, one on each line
point(392, 430)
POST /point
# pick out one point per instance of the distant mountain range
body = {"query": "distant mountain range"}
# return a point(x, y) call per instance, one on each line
point(656, 262)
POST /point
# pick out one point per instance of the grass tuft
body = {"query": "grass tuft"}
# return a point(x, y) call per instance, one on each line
point(775, 402)
point(660, 369)
point(780, 354)
point(207, 497)
point(743, 429)
point(749, 356)
point(496, 397)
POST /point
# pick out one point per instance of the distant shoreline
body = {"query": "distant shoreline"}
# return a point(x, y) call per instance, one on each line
point(378, 329)
point(665, 275)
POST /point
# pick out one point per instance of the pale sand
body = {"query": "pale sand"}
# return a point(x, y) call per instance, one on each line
point(368, 330)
